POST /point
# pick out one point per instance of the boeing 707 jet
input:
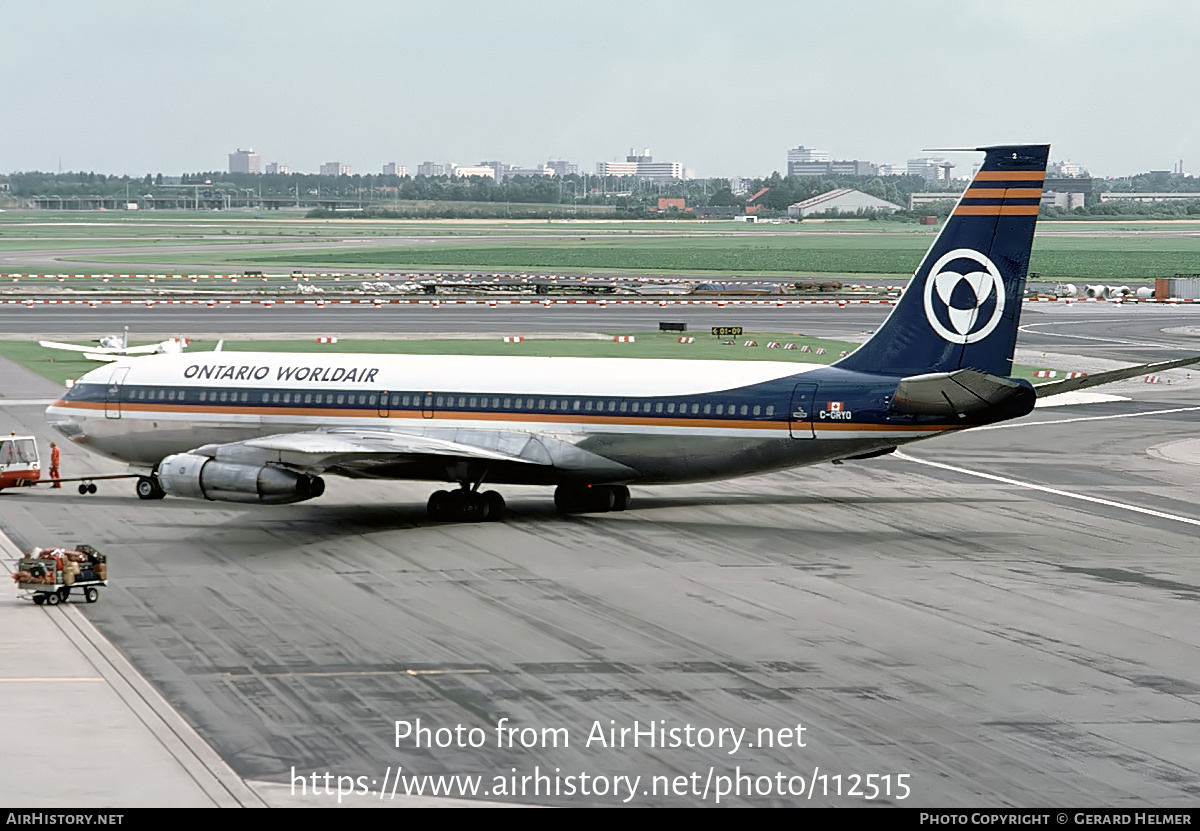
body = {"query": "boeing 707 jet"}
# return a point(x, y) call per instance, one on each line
point(265, 427)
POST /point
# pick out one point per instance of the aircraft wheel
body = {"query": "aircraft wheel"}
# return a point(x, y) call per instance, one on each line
point(566, 498)
point(83, 489)
point(583, 499)
point(472, 507)
point(620, 498)
point(90, 594)
point(495, 506)
point(52, 598)
point(148, 488)
point(439, 505)
point(92, 487)
point(601, 499)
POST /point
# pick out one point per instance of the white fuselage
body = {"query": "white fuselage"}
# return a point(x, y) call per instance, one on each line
point(664, 420)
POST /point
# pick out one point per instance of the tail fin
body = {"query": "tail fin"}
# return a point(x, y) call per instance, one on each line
point(962, 307)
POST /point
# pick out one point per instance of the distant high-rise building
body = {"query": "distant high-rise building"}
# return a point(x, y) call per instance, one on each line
point(539, 170)
point(562, 168)
point(499, 169)
point(643, 166)
point(806, 161)
point(245, 161)
point(929, 168)
point(1066, 170)
point(849, 167)
point(278, 168)
point(431, 169)
point(806, 154)
point(466, 171)
point(393, 169)
point(739, 185)
point(335, 169)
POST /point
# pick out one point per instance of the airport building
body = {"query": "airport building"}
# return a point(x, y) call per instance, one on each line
point(245, 161)
point(278, 168)
point(394, 169)
point(842, 201)
point(431, 169)
point(335, 169)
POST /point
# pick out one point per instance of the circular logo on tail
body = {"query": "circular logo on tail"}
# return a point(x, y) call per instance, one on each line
point(959, 294)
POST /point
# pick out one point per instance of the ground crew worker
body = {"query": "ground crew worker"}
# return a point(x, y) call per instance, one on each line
point(54, 455)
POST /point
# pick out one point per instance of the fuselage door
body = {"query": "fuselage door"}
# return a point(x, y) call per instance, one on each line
point(427, 405)
point(112, 395)
point(800, 416)
point(384, 404)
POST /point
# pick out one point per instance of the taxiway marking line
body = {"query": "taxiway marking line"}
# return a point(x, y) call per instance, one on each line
point(38, 680)
point(1046, 489)
point(1088, 418)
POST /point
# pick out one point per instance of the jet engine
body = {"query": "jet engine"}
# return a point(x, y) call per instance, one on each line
point(1096, 291)
point(202, 477)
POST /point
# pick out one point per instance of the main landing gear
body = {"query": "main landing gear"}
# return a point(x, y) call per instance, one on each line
point(466, 505)
point(587, 499)
point(148, 488)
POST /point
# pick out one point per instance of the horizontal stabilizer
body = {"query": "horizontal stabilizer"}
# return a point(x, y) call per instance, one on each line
point(1098, 378)
point(964, 392)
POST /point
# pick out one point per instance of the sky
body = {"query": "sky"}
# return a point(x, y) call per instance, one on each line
point(171, 86)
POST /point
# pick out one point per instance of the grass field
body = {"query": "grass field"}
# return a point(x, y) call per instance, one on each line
point(1076, 251)
point(60, 366)
point(1055, 258)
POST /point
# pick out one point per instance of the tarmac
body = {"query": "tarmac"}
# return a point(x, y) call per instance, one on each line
point(1004, 617)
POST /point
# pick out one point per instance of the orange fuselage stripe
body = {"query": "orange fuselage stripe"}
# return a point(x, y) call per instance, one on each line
point(996, 210)
point(594, 419)
point(1003, 193)
point(1010, 176)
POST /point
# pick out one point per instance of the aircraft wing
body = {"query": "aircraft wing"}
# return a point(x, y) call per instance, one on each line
point(49, 344)
point(385, 453)
point(102, 356)
point(1095, 379)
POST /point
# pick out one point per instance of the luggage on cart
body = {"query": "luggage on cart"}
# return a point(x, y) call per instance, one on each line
point(48, 575)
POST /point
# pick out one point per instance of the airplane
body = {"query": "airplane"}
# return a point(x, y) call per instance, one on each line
point(265, 427)
point(112, 347)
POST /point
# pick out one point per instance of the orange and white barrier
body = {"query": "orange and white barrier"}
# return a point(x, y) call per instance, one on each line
point(514, 339)
point(326, 340)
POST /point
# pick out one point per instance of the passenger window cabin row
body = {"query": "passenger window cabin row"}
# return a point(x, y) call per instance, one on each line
point(426, 401)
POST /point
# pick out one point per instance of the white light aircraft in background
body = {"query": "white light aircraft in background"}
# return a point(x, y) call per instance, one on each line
point(114, 347)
